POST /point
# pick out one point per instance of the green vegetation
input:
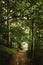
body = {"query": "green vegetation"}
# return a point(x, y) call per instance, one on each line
point(8, 50)
point(6, 54)
point(22, 21)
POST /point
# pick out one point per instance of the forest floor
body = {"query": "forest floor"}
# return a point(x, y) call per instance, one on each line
point(10, 56)
point(20, 58)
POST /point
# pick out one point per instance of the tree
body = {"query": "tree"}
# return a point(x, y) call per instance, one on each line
point(23, 16)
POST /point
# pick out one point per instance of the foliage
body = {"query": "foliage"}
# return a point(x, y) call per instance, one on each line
point(22, 14)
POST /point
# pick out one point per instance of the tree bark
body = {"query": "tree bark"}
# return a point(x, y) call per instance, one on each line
point(8, 27)
point(33, 39)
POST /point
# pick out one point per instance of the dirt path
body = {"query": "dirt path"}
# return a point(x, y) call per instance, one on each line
point(20, 58)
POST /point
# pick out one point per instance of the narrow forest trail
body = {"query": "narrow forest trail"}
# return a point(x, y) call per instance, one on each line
point(20, 58)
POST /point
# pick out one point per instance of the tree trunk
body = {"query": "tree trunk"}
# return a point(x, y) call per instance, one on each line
point(8, 27)
point(33, 39)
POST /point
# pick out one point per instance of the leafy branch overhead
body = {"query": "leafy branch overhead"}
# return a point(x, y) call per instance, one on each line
point(17, 17)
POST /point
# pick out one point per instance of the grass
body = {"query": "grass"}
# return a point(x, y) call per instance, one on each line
point(6, 54)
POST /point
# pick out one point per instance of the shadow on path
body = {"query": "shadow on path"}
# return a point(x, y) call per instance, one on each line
point(20, 58)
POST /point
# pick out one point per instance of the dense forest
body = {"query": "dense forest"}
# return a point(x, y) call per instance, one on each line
point(21, 28)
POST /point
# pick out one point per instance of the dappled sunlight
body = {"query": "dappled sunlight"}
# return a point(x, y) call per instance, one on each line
point(24, 46)
point(20, 58)
point(21, 32)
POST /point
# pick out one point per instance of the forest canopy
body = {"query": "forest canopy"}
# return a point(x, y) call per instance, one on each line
point(21, 21)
